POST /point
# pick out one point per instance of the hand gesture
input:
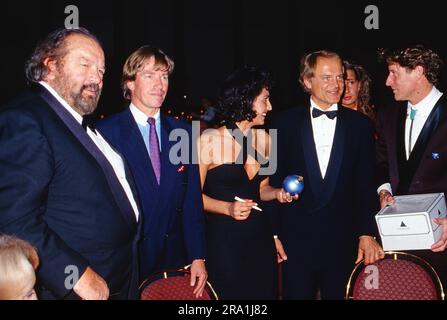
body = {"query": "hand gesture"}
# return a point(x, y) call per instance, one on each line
point(198, 276)
point(280, 252)
point(282, 196)
point(241, 210)
point(369, 250)
point(91, 286)
point(385, 198)
point(442, 243)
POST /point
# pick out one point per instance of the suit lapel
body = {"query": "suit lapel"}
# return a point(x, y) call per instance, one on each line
point(401, 153)
point(323, 189)
point(436, 116)
point(136, 151)
point(400, 144)
point(168, 170)
point(336, 157)
point(139, 160)
point(307, 143)
point(117, 190)
point(131, 180)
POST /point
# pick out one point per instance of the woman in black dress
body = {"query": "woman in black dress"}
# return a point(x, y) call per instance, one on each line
point(242, 251)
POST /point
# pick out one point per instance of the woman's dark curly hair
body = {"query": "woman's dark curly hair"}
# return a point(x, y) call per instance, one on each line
point(415, 56)
point(239, 91)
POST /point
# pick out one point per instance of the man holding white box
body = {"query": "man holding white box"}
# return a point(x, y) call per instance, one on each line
point(412, 145)
point(409, 223)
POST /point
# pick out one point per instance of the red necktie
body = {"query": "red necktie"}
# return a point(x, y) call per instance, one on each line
point(154, 148)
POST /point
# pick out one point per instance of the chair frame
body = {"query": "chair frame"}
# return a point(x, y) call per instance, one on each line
point(395, 256)
point(174, 272)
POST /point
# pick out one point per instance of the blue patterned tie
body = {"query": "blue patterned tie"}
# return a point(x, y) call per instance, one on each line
point(154, 149)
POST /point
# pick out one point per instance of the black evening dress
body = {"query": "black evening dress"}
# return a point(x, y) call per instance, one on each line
point(241, 255)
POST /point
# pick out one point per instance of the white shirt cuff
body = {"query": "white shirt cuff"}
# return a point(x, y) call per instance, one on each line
point(385, 186)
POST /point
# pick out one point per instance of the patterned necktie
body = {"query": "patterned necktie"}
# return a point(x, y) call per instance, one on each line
point(154, 148)
point(317, 112)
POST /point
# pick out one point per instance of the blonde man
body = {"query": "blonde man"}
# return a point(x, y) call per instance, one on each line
point(18, 260)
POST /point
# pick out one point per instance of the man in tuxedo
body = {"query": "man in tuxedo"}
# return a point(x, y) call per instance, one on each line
point(412, 147)
point(331, 225)
point(62, 187)
point(169, 189)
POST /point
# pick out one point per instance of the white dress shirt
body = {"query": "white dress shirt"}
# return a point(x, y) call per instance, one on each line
point(423, 109)
point(114, 158)
point(323, 130)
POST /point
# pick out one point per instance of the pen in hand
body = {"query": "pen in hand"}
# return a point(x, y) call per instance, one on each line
point(242, 200)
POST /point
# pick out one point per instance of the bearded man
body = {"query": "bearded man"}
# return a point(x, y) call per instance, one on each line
point(62, 187)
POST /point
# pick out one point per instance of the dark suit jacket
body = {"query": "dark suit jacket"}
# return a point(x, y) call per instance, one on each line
point(58, 191)
point(426, 169)
point(321, 229)
point(173, 219)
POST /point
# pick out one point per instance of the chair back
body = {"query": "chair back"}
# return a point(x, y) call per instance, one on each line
point(173, 285)
point(399, 276)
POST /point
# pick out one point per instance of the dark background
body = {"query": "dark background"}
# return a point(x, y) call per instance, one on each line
point(209, 39)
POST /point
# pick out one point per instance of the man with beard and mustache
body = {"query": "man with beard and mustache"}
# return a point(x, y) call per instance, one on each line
point(62, 187)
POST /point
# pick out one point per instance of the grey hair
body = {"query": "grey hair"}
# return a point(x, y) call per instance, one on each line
point(52, 47)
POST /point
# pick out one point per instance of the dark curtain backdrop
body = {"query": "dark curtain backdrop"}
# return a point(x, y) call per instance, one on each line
point(208, 39)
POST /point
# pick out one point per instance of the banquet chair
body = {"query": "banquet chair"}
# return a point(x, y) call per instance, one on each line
point(173, 285)
point(399, 276)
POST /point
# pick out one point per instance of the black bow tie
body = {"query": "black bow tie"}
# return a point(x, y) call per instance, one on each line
point(317, 112)
point(88, 120)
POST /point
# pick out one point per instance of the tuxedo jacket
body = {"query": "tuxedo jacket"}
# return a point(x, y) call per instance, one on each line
point(173, 222)
point(426, 169)
point(58, 191)
point(322, 227)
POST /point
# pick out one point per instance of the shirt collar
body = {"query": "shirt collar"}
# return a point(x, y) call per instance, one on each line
point(140, 117)
point(426, 105)
point(333, 107)
point(61, 100)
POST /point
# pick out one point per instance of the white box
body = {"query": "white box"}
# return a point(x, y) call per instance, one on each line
point(408, 224)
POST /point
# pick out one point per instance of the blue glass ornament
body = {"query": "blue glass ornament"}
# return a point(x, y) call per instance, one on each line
point(293, 184)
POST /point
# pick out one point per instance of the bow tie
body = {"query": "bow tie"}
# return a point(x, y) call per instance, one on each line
point(88, 120)
point(317, 112)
